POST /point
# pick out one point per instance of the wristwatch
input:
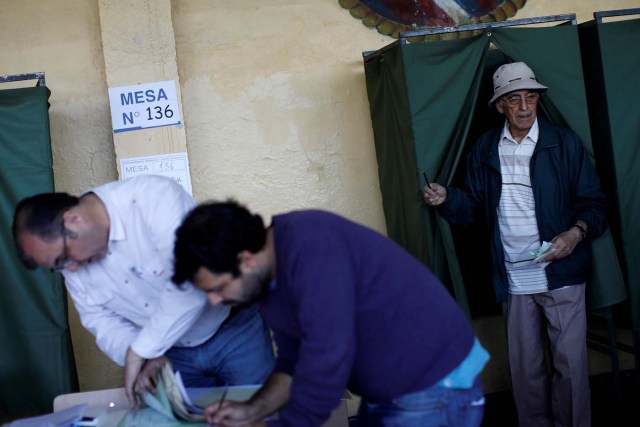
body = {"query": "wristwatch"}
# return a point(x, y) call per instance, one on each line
point(583, 232)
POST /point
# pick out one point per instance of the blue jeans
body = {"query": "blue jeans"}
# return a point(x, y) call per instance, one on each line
point(239, 353)
point(434, 406)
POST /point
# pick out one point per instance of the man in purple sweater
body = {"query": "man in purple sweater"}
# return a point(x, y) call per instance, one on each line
point(348, 307)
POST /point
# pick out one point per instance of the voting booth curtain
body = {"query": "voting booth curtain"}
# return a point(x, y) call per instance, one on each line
point(428, 105)
point(36, 361)
point(611, 61)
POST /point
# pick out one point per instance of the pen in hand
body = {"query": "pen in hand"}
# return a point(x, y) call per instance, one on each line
point(427, 180)
point(224, 395)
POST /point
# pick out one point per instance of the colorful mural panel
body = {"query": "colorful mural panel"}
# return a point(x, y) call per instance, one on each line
point(391, 17)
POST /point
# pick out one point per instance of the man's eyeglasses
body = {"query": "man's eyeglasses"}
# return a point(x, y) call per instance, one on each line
point(516, 100)
point(63, 261)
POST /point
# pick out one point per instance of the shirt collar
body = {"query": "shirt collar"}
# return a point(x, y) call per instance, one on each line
point(531, 138)
point(116, 227)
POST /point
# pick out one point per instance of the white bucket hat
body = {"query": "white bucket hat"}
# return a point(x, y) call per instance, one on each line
point(514, 76)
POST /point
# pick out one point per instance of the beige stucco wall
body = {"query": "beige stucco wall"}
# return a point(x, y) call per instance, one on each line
point(274, 105)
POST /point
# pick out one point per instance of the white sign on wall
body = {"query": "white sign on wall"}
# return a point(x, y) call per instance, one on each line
point(174, 166)
point(144, 106)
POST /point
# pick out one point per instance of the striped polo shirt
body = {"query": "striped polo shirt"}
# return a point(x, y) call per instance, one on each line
point(517, 215)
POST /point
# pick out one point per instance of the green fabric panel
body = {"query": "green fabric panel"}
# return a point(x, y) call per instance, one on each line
point(394, 148)
point(620, 62)
point(416, 102)
point(554, 55)
point(444, 81)
point(620, 65)
point(37, 360)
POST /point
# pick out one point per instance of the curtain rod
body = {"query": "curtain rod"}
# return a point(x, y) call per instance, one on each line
point(482, 25)
point(571, 17)
point(609, 13)
point(26, 76)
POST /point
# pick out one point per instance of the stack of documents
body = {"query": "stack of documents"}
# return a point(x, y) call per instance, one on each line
point(172, 405)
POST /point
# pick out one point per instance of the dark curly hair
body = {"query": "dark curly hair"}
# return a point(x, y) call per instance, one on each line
point(212, 235)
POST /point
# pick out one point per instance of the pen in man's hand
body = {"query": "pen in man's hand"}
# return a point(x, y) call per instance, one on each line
point(224, 395)
point(427, 180)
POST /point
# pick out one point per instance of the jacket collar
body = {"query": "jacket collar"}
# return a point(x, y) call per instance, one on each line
point(490, 151)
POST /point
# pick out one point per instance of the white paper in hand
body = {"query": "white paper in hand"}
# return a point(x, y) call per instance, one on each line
point(539, 255)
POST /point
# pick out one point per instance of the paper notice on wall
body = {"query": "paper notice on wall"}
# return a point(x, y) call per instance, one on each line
point(174, 166)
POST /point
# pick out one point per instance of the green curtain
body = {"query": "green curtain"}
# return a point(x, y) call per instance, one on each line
point(412, 125)
point(611, 64)
point(428, 105)
point(36, 362)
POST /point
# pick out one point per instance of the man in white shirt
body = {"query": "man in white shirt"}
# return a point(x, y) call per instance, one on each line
point(114, 246)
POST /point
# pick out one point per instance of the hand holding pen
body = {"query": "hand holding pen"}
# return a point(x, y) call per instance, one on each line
point(224, 395)
point(230, 413)
point(211, 412)
point(427, 180)
point(433, 193)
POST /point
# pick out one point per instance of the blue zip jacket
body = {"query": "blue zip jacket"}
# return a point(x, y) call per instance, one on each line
point(565, 187)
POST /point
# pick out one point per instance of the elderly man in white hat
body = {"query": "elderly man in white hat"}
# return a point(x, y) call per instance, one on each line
point(532, 184)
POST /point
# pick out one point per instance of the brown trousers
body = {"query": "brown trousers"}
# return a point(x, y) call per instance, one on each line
point(561, 398)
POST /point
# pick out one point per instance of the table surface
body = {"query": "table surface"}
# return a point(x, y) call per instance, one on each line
point(111, 408)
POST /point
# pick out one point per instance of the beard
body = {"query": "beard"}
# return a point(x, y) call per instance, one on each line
point(256, 287)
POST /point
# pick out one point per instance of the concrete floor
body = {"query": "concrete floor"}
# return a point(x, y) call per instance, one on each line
point(608, 402)
point(615, 401)
point(495, 377)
